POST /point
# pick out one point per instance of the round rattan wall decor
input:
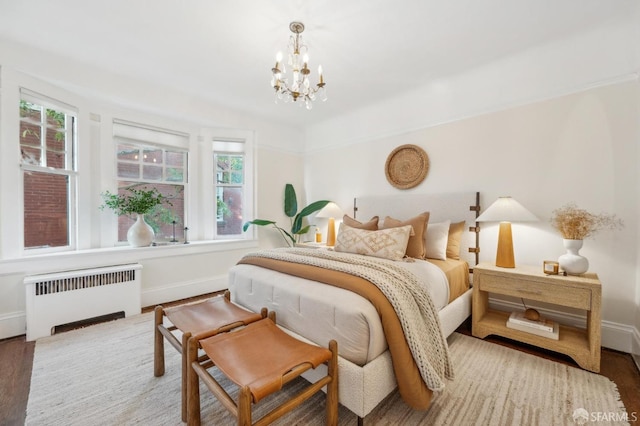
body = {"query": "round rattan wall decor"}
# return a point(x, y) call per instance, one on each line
point(407, 166)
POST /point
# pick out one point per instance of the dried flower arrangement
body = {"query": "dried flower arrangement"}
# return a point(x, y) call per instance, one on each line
point(577, 224)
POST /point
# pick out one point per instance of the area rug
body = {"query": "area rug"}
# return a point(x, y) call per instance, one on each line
point(103, 375)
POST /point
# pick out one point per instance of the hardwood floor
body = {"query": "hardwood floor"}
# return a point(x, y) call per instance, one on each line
point(16, 360)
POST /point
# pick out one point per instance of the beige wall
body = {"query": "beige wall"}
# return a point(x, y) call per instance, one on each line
point(581, 147)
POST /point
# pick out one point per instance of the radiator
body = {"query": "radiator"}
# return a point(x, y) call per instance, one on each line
point(64, 297)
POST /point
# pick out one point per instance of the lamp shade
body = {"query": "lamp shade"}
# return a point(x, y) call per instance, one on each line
point(506, 209)
point(331, 210)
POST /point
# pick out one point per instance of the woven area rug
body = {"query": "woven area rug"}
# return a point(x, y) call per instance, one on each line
point(103, 375)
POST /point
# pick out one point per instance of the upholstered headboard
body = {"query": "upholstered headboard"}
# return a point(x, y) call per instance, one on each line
point(452, 206)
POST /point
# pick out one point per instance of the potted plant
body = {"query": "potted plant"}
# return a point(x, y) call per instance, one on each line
point(291, 211)
point(139, 202)
point(575, 224)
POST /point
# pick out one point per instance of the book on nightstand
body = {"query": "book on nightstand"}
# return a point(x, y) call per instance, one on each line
point(545, 328)
point(541, 324)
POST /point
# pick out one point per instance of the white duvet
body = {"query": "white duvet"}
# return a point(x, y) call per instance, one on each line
point(322, 312)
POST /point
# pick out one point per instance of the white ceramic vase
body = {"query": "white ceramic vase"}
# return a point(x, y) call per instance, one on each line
point(140, 234)
point(572, 262)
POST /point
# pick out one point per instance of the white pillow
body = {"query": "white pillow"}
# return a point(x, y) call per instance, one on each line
point(435, 240)
point(386, 243)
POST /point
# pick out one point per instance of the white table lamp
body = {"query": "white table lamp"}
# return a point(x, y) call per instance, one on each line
point(506, 210)
point(331, 211)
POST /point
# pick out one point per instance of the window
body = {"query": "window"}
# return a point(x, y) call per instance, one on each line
point(231, 186)
point(48, 146)
point(229, 193)
point(147, 165)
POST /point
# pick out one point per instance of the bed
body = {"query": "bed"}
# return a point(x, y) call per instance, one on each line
point(311, 310)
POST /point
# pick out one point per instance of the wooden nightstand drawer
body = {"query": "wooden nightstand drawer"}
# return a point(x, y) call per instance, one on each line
point(556, 293)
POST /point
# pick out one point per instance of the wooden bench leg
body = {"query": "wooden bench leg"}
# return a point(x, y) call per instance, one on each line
point(244, 407)
point(185, 372)
point(193, 384)
point(158, 347)
point(332, 386)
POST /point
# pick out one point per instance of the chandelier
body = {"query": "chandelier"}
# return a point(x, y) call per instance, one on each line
point(297, 88)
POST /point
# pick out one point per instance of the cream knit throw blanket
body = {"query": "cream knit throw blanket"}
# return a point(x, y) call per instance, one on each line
point(413, 305)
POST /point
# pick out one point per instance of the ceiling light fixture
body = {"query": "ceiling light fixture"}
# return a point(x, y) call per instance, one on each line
point(298, 88)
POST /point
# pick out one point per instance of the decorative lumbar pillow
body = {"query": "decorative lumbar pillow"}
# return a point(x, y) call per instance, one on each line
point(453, 242)
point(371, 225)
point(386, 243)
point(436, 240)
point(415, 248)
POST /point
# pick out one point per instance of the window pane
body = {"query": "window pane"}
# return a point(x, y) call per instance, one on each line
point(29, 134)
point(55, 152)
point(46, 211)
point(127, 170)
point(151, 173)
point(127, 153)
point(162, 217)
point(229, 169)
point(54, 136)
point(229, 207)
point(175, 158)
point(30, 155)
point(30, 131)
point(30, 111)
point(152, 156)
point(175, 174)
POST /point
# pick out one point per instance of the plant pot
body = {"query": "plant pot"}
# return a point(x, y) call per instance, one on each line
point(572, 262)
point(140, 234)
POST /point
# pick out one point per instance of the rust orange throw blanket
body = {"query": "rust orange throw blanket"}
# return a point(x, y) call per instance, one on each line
point(412, 387)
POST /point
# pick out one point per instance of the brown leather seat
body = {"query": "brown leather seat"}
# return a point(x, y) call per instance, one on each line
point(212, 316)
point(260, 359)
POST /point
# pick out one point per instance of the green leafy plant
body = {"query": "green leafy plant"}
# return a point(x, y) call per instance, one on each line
point(291, 211)
point(138, 201)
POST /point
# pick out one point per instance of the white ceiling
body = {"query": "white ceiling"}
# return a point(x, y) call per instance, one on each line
point(222, 50)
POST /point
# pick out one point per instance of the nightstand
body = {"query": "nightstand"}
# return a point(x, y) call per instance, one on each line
point(530, 283)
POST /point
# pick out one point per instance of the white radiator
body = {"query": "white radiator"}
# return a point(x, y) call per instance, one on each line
point(63, 297)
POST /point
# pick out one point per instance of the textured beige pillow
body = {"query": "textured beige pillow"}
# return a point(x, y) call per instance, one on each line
point(387, 243)
point(435, 240)
point(371, 225)
point(453, 242)
point(415, 248)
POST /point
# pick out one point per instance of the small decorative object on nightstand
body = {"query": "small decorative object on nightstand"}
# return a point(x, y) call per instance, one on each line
point(575, 225)
point(529, 282)
point(550, 267)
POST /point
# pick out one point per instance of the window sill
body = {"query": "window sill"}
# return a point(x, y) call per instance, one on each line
point(78, 259)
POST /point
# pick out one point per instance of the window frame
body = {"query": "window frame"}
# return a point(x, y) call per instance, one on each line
point(218, 141)
point(70, 170)
point(143, 137)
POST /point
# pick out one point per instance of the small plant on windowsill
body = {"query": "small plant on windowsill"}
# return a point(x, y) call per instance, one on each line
point(139, 202)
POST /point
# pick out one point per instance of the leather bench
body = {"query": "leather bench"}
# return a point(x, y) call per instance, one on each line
point(260, 359)
point(213, 316)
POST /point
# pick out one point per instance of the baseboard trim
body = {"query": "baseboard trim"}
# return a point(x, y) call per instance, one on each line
point(183, 290)
point(614, 335)
point(13, 324)
point(635, 347)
